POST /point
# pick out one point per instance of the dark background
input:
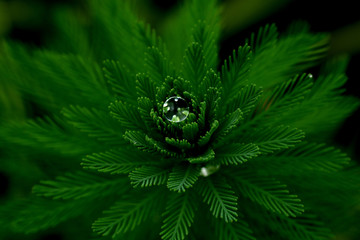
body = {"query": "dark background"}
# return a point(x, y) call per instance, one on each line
point(31, 22)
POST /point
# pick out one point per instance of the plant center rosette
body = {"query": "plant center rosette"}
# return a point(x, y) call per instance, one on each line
point(182, 123)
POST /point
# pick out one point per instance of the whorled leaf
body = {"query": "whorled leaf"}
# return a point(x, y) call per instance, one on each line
point(147, 176)
point(220, 197)
point(183, 177)
point(179, 216)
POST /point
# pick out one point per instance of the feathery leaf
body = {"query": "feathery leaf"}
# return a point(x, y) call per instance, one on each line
point(47, 136)
point(304, 227)
point(266, 37)
point(305, 157)
point(290, 55)
point(208, 135)
point(233, 231)
point(202, 158)
point(147, 176)
point(157, 66)
point(220, 197)
point(183, 177)
point(235, 154)
point(194, 67)
point(245, 99)
point(179, 216)
point(95, 123)
point(190, 131)
point(127, 115)
point(35, 214)
point(138, 139)
point(117, 161)
point(230, 122)
point(267, 192)
point(78, 185)
point(145, 87)
point(234, 73)
point(126, 214)
point(285, 96)
point(120, 80)
point(273, 138)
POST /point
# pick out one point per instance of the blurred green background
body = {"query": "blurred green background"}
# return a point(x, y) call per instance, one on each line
point(34, 23)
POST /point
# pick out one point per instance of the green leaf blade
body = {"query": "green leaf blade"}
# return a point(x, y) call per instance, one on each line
point(194, 67)
point(290, 55)
point(157, 65)
point(147, 176)
point(307, 226)
point(269, 193)
point(120, 80)
point(234, 72)
point(221, 198)
point(95, 123)
point(236, 153)
point(77, 185)
point(126, 214)
point(116, 161)
point(182, 177)
point(233, 231)
point(179, 216)
point(304, 158)
point(273, 139)
point(127, 115)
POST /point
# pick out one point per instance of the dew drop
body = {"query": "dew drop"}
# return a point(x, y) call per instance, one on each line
point(176, 109)
point(208, 170)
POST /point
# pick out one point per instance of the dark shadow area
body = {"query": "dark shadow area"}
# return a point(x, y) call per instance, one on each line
point(53, 236)
point(4, 185)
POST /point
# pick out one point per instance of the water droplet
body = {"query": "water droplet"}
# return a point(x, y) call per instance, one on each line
point(208, 170)
point(310, 75)
point(176, 109)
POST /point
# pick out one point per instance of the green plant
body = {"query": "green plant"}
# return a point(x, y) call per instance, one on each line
point(235, 155)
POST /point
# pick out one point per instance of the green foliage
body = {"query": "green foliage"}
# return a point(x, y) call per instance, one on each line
point(280, 58)
point(194, 64)
point(116, 161)
point(221, 198)
point(238, 161)
point(45, 135)
point(272, 139)
point(305, 227)
point(158, 65)
point(178, 216)
point(34, 214)
point(269, 193)
point(305, 157)
point(119, 79)
point(237, 153)
point(323, 103)
point(232, 231)
point(196, 21)
point(235, 71)
point(65, 79)
point(265, 38)
point(127, 115)
point(182, 177)
point(94, 123)
point(245, 100)
point(77, 185)
point(147, 176)
point(125, 215)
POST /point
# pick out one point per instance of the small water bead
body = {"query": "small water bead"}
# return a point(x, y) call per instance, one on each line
point(176, 109)
point(208, 170)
